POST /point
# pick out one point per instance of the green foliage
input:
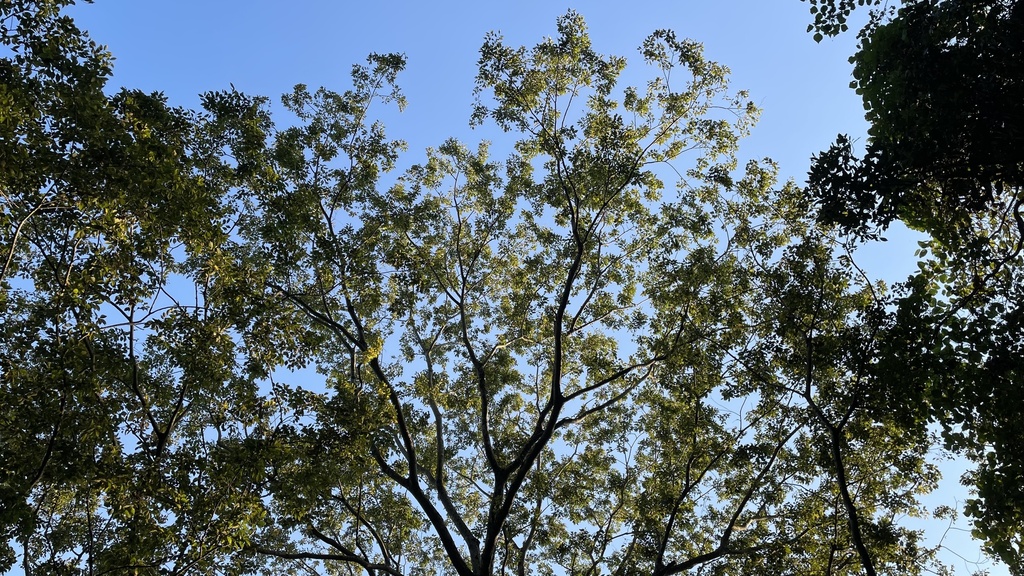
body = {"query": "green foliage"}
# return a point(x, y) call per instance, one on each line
point(548, 363)
point(831, 17)
point(943, 87)
point(108, 381)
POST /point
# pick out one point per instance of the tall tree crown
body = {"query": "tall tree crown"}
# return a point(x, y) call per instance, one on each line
point(232, 345)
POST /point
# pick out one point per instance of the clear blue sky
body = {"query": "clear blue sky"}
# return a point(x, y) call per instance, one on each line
point(186, 47)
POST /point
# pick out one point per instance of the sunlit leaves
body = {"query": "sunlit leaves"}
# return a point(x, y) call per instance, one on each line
point(250, 346)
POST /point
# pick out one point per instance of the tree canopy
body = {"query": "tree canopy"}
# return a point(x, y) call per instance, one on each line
point(233, 344)
point(943, 86)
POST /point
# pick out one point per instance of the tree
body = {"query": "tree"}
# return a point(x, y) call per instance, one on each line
point(943, 86)
point(109, 374)
point(552, 363)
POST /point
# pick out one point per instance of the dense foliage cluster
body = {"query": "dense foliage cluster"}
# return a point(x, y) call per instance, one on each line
point(943, 86)
point(232, 345)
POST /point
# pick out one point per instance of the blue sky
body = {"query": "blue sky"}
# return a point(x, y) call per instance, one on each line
point(187, 47)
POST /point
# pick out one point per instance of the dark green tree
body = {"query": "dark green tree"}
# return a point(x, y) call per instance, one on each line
point(112, 361)
point(943, 86)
